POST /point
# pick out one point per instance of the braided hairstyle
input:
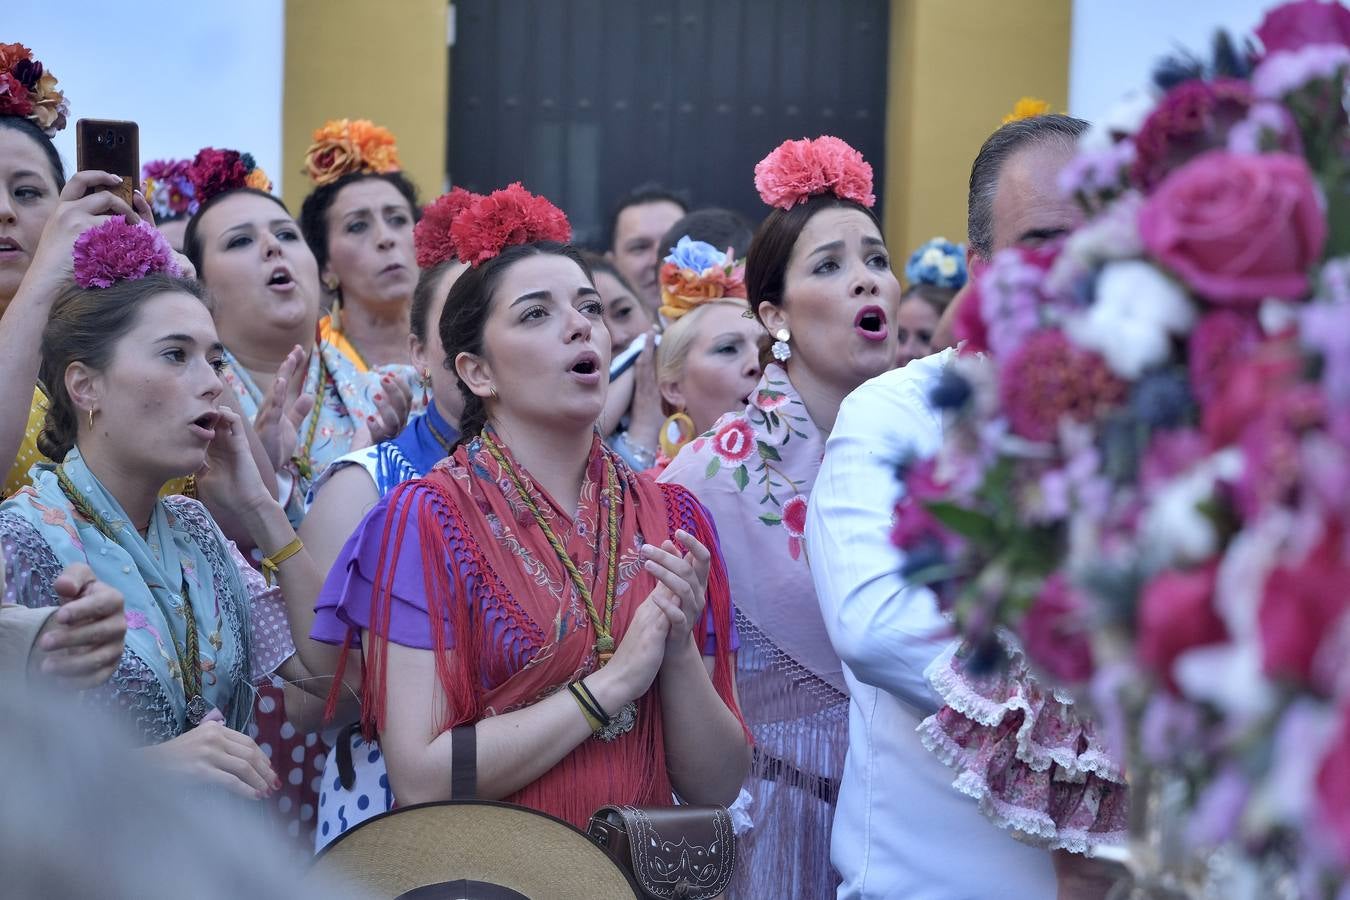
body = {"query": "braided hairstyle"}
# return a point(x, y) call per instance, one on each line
point(466, 313)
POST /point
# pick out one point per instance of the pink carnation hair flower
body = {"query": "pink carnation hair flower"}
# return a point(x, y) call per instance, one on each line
point(431, 235)
point(796, 171)
point(116, 251)
point(509, 217)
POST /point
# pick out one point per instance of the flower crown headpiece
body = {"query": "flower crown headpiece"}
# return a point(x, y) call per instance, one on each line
point(506, 218)
point(115, 251)
point(796, 171)
point(431, 234)
point(1027, 108)
point(29, 91)
point(938, 262)
point(213, 172)
point(168, 188)
point(696, 273)
point(344, 146)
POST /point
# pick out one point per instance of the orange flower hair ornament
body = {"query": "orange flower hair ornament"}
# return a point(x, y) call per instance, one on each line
point(344, 146)
point(796, 171)
point(506, 218)
point(695, 273)
point(29, 91)
point(1027, 108)
point(431, 234)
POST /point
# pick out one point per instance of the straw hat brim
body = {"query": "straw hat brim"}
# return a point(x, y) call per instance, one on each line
point(500, 844)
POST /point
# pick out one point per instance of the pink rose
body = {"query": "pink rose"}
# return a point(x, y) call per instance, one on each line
point(734, 442)
point(1055, 632)
point(1300, 608)
point(1333, 786)
point(1237, 228)
point(1296, 25)
point(1176, 614)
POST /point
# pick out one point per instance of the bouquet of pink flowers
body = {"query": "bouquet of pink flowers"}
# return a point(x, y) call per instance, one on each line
point(1145, 475)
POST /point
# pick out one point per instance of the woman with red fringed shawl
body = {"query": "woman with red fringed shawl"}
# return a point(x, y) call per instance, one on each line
point(532, 613)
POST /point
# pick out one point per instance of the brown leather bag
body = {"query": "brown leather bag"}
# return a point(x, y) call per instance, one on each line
point(672, 852)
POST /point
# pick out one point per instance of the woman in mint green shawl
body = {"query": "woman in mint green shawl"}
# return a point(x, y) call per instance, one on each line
point(133, 372)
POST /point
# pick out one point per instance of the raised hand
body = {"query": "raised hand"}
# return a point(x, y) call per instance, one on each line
point(80, 645)
point(230, 478)
point(682, 582)
point(82, 206)
point(283, 410)
point(393, 401)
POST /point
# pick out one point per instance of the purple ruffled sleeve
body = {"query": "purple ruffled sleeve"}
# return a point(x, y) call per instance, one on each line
point(344, 604)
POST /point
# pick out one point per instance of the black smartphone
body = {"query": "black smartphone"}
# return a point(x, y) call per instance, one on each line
point(107, 145)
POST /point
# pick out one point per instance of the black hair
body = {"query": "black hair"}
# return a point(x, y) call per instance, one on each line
point(27, 126)
point(84, 326)
point(640, 196)
point(988, 165)
point(722, 228)
point(424, 295)
point(466, 313)
point(314, 210)
point(192, 242)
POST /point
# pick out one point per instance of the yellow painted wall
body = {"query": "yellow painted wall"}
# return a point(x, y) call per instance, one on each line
point(956, 68)
point(360, 59)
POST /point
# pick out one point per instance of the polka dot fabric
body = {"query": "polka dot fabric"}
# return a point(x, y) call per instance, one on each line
point(341, 809)
point(298, 761)
point(28, 454)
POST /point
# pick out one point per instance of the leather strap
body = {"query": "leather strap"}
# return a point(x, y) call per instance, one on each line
point(343, 751)
point(464, 763)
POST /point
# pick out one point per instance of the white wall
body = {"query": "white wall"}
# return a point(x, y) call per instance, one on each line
point(192, 74)
point(1116, 43)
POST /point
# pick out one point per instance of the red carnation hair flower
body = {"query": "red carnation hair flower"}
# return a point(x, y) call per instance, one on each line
point(798, 170)
point(506, 218)
point(213, 172)
point(431, 235)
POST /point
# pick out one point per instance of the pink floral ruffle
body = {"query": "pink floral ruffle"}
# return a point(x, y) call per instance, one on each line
point(1025, 754)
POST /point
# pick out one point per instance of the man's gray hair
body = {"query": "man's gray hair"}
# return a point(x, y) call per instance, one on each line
point(988, 165)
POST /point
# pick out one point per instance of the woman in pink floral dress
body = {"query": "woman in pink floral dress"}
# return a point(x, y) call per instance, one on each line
point(820, 277)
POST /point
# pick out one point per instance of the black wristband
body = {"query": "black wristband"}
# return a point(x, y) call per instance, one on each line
point(464, 763)
point(596, 709)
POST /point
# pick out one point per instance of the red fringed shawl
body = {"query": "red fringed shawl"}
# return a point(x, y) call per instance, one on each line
point(517, 629)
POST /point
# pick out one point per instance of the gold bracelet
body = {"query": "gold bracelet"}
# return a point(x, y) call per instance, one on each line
point(270, 564)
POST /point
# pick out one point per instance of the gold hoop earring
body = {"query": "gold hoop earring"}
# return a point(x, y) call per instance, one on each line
point(676, 431)
point(492, 392)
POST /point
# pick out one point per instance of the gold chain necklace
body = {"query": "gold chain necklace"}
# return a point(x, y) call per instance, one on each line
point(304, 462)
point(189, 657)
point(604, 634)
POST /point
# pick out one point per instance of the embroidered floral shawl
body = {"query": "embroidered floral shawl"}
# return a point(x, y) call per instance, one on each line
point(461, 549)
point(754, 471)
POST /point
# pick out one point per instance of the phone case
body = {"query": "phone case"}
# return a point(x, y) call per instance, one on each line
point(110, 146)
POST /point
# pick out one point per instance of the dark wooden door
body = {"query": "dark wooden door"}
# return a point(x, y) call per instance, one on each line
point(582, 100)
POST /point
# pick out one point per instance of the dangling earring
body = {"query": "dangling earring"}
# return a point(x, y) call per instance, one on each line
point(780, 349)
point(91, 418)
point(425, 380)
point(676, 431)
